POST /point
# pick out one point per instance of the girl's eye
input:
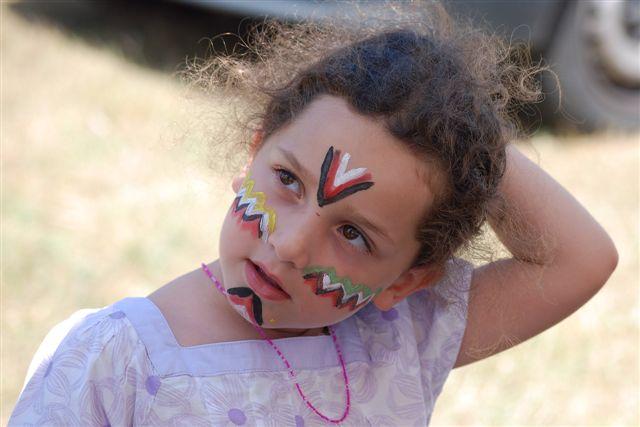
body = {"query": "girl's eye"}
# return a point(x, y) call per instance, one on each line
point(355, 237)
point(289, 180)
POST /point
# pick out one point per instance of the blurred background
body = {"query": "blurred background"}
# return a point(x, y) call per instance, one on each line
point(108, 192)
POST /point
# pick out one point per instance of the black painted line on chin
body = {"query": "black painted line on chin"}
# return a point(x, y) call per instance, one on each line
point(241, 291)
point(257, 309)
point(244, 292)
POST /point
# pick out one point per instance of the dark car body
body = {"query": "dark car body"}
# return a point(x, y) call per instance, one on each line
point(592, 46)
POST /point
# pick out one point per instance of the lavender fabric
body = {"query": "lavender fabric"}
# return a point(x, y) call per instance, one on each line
point(121, 365)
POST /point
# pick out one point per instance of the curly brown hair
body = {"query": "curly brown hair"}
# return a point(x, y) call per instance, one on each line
point(445, 89)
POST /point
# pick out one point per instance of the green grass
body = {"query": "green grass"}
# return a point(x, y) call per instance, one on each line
point(106, 194)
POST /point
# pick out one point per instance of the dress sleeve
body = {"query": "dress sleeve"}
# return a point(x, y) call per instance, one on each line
point(82, 373)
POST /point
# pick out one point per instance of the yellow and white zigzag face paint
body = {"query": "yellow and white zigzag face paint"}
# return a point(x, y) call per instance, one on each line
point(252, 212)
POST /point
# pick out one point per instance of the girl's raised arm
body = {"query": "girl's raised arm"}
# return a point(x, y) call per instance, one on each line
point(514, 299)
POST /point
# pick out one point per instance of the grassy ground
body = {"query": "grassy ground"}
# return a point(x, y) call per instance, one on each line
point(106, 194)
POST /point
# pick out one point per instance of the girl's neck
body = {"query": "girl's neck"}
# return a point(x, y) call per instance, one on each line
point(288, 333)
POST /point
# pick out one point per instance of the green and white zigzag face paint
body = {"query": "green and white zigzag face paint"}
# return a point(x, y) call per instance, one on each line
point(325, 281)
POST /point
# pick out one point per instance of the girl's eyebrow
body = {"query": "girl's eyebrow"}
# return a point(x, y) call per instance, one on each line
point(296, 164)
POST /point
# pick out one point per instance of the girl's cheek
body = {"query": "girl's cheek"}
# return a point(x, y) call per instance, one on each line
point(229, 245)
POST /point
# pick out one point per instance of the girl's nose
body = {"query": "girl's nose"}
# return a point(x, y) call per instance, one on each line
point(293, 239)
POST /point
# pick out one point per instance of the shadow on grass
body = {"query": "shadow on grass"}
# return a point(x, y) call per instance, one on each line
point(158, 35)
point(162, 35)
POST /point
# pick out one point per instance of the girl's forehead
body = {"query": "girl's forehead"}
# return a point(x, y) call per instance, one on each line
point(331, 122)
point(328, 126)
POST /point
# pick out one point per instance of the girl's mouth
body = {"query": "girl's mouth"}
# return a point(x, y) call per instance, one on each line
point(265, 285)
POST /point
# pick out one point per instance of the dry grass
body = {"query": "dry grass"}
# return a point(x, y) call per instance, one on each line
point(584, 371)
point(106, 194)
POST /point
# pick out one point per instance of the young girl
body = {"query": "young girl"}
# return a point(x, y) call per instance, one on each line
point(339, 295)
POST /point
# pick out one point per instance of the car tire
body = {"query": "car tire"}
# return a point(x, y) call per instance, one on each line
point(592, 96)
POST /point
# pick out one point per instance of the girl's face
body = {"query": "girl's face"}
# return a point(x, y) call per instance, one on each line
point(324, 221)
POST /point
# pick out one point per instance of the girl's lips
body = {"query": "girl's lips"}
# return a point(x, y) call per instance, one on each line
point(262, 284)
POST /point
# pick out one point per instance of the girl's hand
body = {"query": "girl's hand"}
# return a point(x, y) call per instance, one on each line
point(514, 299)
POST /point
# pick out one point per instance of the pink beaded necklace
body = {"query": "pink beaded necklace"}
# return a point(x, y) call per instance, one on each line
point(288, 365)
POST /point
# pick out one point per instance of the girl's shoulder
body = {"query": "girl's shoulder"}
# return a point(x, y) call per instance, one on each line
point(81, 359)
point(446, 299)
point(85, 333)
point(429, 323)
point(450, 294)
point(439, 313)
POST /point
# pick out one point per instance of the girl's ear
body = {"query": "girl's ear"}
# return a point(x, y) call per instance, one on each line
point(238, 179)
point(410, 281)
point(256, 142)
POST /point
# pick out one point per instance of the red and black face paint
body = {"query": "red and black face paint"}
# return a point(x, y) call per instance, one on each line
point(250, 208)
point(248, 299)
point(336, 182)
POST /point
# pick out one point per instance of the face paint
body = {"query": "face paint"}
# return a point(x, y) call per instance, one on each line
point(325, 281)
point(250, 209)
point(336, 182)
point(248, 301)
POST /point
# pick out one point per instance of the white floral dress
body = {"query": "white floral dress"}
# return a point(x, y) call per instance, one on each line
point(121, 365)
